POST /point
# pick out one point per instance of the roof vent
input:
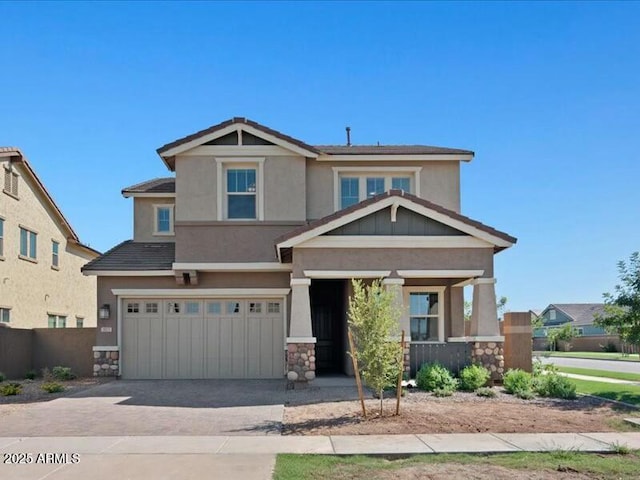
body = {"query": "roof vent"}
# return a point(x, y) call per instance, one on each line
point(348, 129)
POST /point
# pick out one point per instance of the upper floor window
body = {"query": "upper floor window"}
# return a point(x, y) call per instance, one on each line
point(79, 322)
point(10, 182)
point(355, 184)
point(240, 189)
point(1, 237)
point(57, 321)
point(28, 244)
point(5, 314)
point(163, 220)
point(552, 314)
point(55, 254)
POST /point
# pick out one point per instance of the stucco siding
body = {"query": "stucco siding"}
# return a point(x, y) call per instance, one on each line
point(196, 179)
point(205, 280)
point(393, 259)
point(439, 183)
point(144, 219)
point(284, 183)
point(229, 242)
point(31, 289)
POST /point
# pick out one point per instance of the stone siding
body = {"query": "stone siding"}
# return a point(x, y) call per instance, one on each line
point(106, 363)
point(491, 356)
point(301, 362)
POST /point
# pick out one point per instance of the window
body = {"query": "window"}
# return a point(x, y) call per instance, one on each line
point(57, 321)
point(10, 182)
point(214, 308)
point(151, 308)
point(273, 307)
point(173, 307)
point(163, 220)
point(255, 307)
point(240, 192)
point(133, 307)
point(233, 308)
point(28, 243)
point(193, 307)
point(426, 313)
point(355, 184)
point(55, 258)
point(79, 322)
point(552, 314)
point(1, 237)
point(5, 314)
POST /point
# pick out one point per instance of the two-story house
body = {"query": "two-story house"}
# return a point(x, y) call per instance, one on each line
point(239, 265)
point(41, 284)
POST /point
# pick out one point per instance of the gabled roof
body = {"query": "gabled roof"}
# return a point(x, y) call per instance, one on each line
point(390, 150)
point(16, 156)
point(579, 313)
point(135, 256)
point(157, 185)
point(397, 198)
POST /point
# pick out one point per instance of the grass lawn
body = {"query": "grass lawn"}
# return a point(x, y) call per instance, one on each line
point(613, 391)
point(632, 377)
point(361, 467)
point(593, 355)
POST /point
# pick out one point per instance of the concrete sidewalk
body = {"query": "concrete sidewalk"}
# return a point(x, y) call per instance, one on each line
point(253, 457)
point(599, 379)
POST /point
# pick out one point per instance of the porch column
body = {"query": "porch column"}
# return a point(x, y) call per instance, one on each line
point(484, 313)
point(301, 353)
point(395, 285)
point(487, 346)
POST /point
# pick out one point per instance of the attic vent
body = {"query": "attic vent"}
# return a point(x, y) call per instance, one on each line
point(11, 182)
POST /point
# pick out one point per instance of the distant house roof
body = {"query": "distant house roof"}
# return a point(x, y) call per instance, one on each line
point(390, 150)
point(16, 155)
point(580, 313)
point(157, 185)
point(134, 256)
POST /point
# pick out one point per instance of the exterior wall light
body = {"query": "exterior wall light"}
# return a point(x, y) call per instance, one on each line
point(104, 312)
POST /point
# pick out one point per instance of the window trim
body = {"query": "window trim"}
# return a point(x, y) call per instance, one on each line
point(2, 310)
point(222, 164)
point(30, 232)
point(14, 177)
point(172, 208)
point(363, 172)
point(440, 290)
point(2, 235)
point(57, 317)
point(55, 255)
point(552, 315)
point(79, 320)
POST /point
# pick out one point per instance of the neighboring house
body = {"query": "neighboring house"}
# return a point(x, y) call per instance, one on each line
point(41, 284)
point(239, 266)
point(580, 315)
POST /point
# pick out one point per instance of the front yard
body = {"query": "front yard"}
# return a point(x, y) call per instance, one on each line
point(422, 412)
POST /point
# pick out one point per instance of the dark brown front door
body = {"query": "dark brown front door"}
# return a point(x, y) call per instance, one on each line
point(327, 320)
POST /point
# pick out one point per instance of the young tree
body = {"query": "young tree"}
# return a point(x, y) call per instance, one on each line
point(622, 308)
point(564, 333)
point(373, 320)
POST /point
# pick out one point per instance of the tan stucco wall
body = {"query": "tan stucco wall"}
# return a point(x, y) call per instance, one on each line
point(205, 280)
point(439, 183)
point(284, 189)
point(144, 219)
point(229, 242)
point(32, 290)
point(393, 259)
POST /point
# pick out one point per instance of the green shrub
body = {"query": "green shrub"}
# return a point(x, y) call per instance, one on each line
point(63, 373)
point(525, 394)
point(2, 377)
point(52, 387)
point(609, 347)
point(432, 376)
point(10, 389)
point(473, 377)
point(486, 392)
point(30, 375)
point(555, 386)
point(443, 392)
point(518, 382)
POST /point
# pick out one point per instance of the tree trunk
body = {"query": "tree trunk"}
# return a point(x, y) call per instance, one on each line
point(381, 398)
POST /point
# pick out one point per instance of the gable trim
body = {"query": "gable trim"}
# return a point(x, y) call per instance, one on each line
point(395, 241)
point(385, 202)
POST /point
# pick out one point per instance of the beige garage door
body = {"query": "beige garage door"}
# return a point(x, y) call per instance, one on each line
point(202, 338)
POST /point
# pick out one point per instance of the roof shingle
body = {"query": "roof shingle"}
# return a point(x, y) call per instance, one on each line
point(581, 313)
point(390, 150)
point(157, 185)
point(135, 256)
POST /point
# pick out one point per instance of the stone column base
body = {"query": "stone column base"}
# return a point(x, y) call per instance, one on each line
point(301, 362)
point(106, 363)
point(491, 356)
point(406, 359)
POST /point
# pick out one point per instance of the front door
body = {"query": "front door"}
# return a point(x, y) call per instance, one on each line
point(327, 320)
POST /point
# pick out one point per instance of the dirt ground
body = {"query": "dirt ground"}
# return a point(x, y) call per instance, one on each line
point(421, 412)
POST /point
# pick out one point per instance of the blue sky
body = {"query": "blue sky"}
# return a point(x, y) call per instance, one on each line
point(546, 94)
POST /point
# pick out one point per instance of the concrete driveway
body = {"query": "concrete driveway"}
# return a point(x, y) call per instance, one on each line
point(154, 407)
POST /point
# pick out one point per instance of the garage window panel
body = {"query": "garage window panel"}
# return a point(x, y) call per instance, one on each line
point(192, 308)
point(133, 307)
point(214, 308)
point(255, 307)
point(273, 307)
point(173, 307)
point(151, 307)
point(233, 308)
